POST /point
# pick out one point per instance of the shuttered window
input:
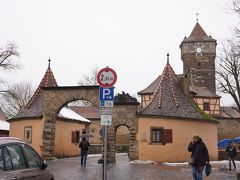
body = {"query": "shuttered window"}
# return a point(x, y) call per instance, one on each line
point(161, 135)
point(156, 135)
point(167, 136)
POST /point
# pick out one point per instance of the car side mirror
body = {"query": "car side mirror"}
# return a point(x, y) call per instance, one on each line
point(44, 165)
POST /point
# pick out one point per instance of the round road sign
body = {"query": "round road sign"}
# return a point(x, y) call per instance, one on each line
point(106, 77)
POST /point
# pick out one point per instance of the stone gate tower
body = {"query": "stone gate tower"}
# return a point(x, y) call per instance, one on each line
point(198, 53)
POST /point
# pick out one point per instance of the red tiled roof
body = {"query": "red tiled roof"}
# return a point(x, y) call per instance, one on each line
point(198, 34)
point(169, 100)
point(48, 80)
point(197, 31)
point(34, 106)
point(88, 112)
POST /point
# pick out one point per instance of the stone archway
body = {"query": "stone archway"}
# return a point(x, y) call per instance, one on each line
point(54, 98)
point(124, 114)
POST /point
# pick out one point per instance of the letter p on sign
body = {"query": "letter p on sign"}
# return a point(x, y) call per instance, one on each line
point(106, 94)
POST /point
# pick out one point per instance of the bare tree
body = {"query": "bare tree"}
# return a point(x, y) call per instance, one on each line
point(89, 80)
point(228, 61)
point(228, 71)
point(234, 6)
point(16, 97)
point(7, 54)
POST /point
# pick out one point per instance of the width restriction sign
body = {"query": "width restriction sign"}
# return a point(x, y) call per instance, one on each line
point(106, 77)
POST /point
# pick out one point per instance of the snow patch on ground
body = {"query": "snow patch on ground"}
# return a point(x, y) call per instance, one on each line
point(223, 162)
point(143, 162)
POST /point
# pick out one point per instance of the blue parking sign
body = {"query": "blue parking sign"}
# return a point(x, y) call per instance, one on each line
point(106, 94)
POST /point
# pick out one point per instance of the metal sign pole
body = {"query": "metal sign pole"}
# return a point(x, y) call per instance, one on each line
point(105, 154)
point(106, 78)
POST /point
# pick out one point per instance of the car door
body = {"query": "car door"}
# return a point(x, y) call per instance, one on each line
point(14, 163)
point(18, 165)
point(35, 163)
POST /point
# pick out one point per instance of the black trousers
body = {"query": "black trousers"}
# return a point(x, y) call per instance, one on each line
point(231, 159)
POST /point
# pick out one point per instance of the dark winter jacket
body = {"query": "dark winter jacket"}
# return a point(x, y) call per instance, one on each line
point(231, 151)
point(84, 145)
point(200, 152)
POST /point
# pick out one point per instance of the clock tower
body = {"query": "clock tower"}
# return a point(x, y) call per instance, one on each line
point(198, 53)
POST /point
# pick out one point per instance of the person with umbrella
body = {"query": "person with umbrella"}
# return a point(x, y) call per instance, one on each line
point(224, 143)
point(231, 153)
point(84, 144)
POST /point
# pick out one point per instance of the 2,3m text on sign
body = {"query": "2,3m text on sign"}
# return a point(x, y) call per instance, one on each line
point(106, 77)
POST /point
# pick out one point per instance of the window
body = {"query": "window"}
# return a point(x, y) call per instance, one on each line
point(161, 135)
point(6, 156)
point(206, 106)
point(75, 136)
point(19, 160)
point(16, 157)
point(1, 159)
point(157, 135)
point(28, 134)
point(33, 159)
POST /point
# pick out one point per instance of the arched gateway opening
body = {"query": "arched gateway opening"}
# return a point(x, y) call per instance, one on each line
point(124, 115)
point(54, 99)
point(122, 139)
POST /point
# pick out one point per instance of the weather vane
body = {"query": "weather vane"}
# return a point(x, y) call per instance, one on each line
point(197, 14)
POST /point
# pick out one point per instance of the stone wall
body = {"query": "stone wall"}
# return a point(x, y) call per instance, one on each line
point(123, 115)
point(228, 128)
point(54, 99)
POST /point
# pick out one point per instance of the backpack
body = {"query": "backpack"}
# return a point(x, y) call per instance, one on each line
point(84, 145)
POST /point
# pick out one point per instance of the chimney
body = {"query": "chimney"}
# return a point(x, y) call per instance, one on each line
point(185, 85)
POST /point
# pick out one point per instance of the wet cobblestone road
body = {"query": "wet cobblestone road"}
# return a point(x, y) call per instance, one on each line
point(70, 169)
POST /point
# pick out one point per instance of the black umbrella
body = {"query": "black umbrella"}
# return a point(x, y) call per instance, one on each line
point(86, 136)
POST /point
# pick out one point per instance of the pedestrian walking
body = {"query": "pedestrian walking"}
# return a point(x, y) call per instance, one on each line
point(84, 144)
point(231, 153)
point(199, 156)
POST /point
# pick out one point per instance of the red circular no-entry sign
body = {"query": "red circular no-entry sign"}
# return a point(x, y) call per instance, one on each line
point(106, 77)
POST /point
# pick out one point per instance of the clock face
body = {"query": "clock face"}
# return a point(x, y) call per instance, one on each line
point(198, 49)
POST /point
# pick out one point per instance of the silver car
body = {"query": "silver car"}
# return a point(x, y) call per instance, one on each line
point(20, 161)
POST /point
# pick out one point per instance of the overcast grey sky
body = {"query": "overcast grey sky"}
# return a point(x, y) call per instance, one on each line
point(131, 36)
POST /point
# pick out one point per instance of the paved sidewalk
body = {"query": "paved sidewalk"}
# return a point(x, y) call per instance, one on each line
point(70, 169)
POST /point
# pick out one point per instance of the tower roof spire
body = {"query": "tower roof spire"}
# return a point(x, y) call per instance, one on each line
point(167, 58)
point(49, 62)
point(48, 80)
point(198, 34)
